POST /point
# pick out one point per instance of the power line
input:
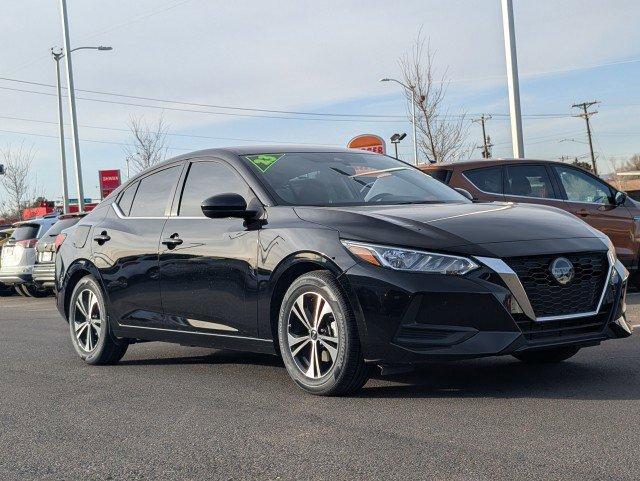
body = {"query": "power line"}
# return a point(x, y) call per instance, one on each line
point(235, 139)
point(260, 110)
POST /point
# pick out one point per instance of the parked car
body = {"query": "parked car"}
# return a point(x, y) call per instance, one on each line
point(555, 184)
point(335, 259)
point(4, 237)
point(19, 255)
point(45, 267)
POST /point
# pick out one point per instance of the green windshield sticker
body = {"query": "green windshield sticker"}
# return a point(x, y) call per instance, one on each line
point(264, 161)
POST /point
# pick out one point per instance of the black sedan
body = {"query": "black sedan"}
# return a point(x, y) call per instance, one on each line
point(337, 260)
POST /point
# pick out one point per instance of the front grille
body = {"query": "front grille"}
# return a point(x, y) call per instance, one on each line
point(548, 297)
point(563, 329)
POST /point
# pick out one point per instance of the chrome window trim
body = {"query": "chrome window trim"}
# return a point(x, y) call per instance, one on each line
point(121, 215)
point(512, 281)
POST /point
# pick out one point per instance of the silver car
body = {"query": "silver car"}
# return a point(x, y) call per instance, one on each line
point(19, 255)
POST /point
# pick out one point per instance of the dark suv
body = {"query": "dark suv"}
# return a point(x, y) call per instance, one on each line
point(555, 184)
point(336, 260)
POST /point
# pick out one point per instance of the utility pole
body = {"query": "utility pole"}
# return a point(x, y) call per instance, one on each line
point(512, 77)
point(585, 115)
point(57, 56)
point(486, 141)
point(72, 104)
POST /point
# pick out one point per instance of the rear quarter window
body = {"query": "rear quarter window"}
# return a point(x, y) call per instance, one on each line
point(443, 175)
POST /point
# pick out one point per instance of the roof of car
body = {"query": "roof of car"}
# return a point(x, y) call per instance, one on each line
point(478, 162)
point(37, 221)
point(265, 149)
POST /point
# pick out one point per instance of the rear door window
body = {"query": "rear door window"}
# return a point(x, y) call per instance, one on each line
point(486, 179)
point(529, 181)
point(154, 192)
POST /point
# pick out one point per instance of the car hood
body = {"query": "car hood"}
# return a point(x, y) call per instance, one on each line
point(452, 226)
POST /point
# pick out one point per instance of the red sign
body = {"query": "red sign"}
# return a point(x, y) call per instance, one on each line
point(109, 181)
point(370, 142)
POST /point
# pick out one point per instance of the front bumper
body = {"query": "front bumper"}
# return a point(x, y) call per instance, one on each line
point(44, 274)
point(16, 275)
point(409, 317)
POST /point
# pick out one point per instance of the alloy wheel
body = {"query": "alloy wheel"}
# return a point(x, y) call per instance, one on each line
point(87, 320)
point(312, 335)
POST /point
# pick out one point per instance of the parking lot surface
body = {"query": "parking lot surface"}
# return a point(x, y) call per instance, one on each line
point(176, 412)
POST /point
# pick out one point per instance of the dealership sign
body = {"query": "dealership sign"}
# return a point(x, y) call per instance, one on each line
point(370, 142)
point(109, 181)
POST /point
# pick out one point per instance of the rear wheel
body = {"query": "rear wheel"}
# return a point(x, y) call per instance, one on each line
point(319, 338)
point(557, 354)
point(89, 325)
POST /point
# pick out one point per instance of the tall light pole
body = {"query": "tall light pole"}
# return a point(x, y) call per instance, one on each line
point(413, 115)
point(72, 104)
point(58, 54)
point(512, 77)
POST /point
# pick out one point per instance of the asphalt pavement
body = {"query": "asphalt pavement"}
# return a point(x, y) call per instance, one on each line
point(169, 412)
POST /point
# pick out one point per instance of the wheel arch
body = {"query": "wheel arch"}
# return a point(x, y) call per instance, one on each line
point(76, 271)
point(296, 265)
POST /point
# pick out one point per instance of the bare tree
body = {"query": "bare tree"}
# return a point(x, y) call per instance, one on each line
point(442, 136)
point(15, 181)
point(148, 144)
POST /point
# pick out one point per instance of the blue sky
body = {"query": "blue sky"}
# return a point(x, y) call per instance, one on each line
point(321, 57)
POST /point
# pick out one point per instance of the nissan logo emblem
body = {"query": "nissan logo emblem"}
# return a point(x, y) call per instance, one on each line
point(562, 270)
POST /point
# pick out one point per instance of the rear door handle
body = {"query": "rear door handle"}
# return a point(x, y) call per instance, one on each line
point(583, 212)
point(102, 238)
point(172, 241)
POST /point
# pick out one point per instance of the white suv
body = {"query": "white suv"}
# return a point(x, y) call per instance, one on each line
point(19, 254)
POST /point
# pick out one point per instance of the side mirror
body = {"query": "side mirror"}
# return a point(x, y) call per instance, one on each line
point(225, 205)
point(465, 192)
point(620, 198)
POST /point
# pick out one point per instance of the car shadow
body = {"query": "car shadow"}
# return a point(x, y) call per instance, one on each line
point(506, 378)
point(602, 379)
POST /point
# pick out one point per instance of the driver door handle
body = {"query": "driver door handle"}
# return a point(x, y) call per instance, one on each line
point(583, 212)
point(172, 241)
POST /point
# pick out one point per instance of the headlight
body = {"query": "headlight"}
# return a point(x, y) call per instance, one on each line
point(410, 260)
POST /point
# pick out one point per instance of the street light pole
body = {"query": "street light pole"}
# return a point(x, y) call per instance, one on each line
point(413, 115)
point(512, 78)
point(57, 56)
point(72, 105)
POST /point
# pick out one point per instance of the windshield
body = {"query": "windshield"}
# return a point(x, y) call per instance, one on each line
point(335, 179)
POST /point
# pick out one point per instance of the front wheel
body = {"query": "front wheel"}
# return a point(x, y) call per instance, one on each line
point(89, 325)
point(319, 337)
point(557, 354)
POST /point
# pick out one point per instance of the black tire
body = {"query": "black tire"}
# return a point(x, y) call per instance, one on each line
point(102, 347)
point(547, 356)
point(6, 290)
point(34, 290)
point(348, 373)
